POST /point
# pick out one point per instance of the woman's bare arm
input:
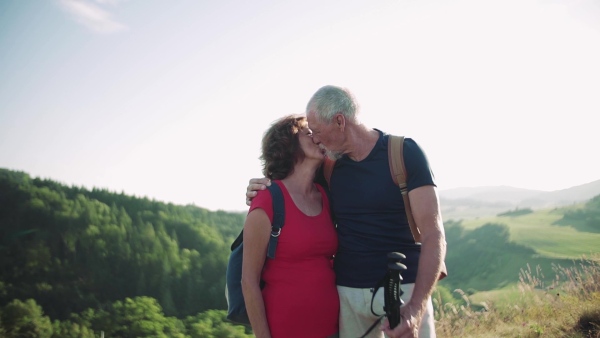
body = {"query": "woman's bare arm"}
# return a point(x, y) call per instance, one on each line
point(257, 230)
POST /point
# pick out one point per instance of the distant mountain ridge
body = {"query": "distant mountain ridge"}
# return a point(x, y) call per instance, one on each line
point(472, 202)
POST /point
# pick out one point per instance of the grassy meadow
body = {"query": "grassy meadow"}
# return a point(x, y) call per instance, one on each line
point(546, 233)
point(532, 274)
point(569, 307)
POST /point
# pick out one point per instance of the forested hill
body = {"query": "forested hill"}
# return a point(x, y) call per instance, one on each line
point(97, 261)
point(70, 249)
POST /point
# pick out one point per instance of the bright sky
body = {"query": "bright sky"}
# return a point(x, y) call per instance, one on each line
point(169, 99)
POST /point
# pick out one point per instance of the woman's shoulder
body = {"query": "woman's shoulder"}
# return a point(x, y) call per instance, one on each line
point(266, 193)
point(264, 200)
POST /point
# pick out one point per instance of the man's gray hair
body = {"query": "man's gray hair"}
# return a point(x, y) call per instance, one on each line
point(330, 100)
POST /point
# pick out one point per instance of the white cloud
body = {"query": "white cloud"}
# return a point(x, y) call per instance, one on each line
point(93, 16)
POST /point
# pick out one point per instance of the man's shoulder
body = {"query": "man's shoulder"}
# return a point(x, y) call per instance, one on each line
point(386, 134)
point(407, 139)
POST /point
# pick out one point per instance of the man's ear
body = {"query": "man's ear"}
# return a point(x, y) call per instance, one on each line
point(340, 121)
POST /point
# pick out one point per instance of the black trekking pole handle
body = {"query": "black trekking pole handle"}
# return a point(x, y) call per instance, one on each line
point(393, 291)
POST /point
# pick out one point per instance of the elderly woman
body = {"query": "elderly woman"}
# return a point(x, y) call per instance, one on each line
point(299, 297)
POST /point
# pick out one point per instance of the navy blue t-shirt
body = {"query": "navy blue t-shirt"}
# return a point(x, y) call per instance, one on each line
point(370, 216)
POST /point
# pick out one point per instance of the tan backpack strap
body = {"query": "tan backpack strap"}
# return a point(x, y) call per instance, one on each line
point(328, 169)
point(396, 160)
point(395, 144)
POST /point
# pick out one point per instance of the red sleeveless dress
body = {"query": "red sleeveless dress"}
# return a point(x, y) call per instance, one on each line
point(300, 293)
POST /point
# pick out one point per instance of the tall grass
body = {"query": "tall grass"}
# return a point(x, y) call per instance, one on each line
point(569, 306)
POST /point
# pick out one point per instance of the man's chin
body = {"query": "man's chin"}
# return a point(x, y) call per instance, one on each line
point(333, 155)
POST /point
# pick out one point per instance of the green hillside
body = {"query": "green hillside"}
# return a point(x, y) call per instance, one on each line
point(548, 232)
point(487, 254)
point(76, 262)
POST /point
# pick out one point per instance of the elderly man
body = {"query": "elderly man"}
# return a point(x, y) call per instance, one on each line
point(371, 218)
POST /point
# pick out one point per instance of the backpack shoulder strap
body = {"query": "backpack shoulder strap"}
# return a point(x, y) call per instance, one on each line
point(395, 148)
point(328, 169)
point(398, 170)
point(278, 218)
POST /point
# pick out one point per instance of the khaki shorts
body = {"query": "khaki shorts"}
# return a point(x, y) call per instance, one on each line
point(356, 316)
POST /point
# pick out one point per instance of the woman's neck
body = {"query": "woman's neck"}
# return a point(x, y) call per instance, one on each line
point(302, 179)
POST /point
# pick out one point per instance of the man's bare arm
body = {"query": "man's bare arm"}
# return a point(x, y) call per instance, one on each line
point(426, 212)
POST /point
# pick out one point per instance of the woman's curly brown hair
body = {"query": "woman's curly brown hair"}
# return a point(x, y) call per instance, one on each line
point(281, 147)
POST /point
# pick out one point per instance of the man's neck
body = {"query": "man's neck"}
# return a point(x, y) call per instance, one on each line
point(361, 141)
